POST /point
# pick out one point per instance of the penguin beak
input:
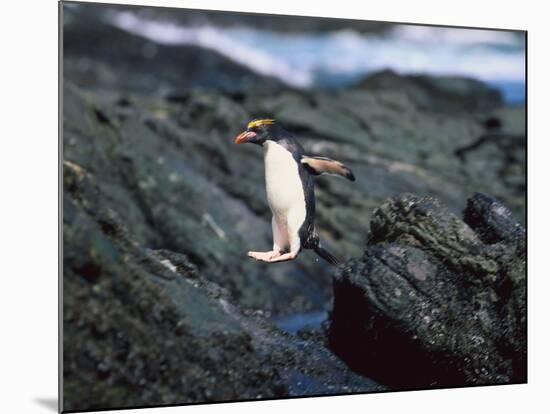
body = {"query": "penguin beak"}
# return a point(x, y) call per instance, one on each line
point(244, 137)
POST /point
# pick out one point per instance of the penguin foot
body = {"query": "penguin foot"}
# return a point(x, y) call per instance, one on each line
point(264, 256)
point(284, 257)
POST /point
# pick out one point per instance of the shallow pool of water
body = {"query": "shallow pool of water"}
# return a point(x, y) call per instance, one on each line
point(293, 323)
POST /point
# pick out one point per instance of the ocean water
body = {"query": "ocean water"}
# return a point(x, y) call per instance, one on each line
point(339, 58)
point(294, 322)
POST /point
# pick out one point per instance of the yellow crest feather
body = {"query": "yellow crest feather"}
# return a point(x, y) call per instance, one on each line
point(260, 122)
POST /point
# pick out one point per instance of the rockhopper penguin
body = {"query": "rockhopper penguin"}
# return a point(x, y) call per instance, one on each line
point(289, 174)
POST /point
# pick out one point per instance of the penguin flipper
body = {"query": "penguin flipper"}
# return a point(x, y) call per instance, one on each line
point(325, 254)
point(323, 165)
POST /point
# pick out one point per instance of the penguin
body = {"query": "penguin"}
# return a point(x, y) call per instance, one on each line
point(289, 181)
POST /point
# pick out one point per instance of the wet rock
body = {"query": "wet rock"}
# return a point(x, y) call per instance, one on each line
point(442, 93)
point(505, 147)
point(171, 175)
point(169, 165)
point(435, 301)
point(147, 329)
point(174, 207)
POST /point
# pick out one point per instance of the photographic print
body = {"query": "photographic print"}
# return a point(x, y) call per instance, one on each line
point(268, 206)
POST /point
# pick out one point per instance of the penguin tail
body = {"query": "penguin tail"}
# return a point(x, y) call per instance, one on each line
point(325, 254)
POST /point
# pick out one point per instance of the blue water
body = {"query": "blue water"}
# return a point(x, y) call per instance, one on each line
point(293, 323)
point(512, 92)
point(339, 58)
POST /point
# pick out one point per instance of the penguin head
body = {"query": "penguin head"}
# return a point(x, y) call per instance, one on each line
point(258, 132)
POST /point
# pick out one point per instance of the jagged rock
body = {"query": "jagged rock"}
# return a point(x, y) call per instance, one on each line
point(435, 301)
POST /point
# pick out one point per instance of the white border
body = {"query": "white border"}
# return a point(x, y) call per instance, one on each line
point(28, 181)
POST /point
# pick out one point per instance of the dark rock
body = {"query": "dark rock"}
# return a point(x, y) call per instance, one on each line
point(169, 165)
point(160, 209)
point(442, 93)
point(492, 123)
point(507, 152)
point(99, 55)
point(147, 329)
point(492, 221)
point(170, 181)
point(433, 301)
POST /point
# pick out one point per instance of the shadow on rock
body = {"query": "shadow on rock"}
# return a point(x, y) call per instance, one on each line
point(435, 300)
point(143, 327)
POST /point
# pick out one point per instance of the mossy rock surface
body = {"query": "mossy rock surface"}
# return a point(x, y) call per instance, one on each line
point(435, 300)
point(161, 303)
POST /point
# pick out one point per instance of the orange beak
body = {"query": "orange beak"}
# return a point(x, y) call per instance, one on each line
point(244, 137)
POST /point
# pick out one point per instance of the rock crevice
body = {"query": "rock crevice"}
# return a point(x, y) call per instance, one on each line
point(435, 300)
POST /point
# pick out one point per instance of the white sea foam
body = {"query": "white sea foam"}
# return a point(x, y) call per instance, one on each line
point(301, 60)
point(227, 42)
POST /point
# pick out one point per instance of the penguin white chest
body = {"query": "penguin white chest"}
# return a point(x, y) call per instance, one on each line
point(285, 193)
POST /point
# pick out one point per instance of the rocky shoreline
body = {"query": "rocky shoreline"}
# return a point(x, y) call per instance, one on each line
point(142, 327)
point(161, 305)
point(438, 300)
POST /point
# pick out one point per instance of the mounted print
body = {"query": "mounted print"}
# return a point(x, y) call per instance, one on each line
point(261, 207)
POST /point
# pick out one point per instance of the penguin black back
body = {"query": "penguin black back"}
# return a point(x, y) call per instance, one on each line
point(290, 189)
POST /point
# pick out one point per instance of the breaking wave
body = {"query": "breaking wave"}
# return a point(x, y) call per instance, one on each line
point(341, 57)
